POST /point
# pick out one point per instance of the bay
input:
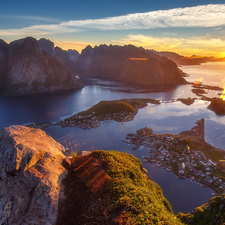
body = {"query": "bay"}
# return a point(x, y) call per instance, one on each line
point(168, 117)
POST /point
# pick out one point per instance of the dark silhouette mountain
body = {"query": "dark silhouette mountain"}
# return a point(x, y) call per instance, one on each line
point(182, 60)
point(3, 63)
point(129, 63)
point(25, 68)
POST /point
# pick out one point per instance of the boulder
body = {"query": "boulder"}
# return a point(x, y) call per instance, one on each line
point(31, 172)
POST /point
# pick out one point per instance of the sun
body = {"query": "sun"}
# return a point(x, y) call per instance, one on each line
point(223, 95)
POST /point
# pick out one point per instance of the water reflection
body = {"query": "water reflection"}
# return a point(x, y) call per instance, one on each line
point(172, 117)
point(211, 73)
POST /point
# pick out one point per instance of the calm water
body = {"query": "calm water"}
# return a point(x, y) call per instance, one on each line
point(170, 117)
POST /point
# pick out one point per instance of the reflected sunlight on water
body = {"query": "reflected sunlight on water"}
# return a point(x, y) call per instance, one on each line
point(212, 73)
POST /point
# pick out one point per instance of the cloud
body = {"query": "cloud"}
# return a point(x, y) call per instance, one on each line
point(211, 15)
point(39, 30)
point(200, 16)
point(218, 28)
point(157, 128)
point(171, 34)
point(27, 17)
point(201, 45)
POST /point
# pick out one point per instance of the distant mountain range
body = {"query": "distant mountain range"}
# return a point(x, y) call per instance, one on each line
point(182, 60)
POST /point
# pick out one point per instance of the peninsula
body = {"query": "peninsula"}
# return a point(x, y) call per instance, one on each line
point(187, 154)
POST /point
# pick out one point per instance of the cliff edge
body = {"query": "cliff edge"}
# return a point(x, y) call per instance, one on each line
point(30, 176)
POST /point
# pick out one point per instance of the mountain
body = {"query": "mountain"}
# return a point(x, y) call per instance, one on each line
point(3, 63)
point(25, 68)
point(182, 60)
point(66, 57)
point(129, 63)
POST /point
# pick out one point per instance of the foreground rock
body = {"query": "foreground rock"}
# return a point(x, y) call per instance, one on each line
point(129, 63)
point(30, 176)
point(25, 68)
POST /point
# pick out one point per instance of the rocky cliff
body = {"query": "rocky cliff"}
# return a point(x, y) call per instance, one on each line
point(30, 176)
point(28, 69)
point(66, 57)
point(129, 63)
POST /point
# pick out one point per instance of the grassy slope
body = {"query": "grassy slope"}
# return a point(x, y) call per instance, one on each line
point(109, 107)
point(198, 144)
point(140, 199)
point(207, 214)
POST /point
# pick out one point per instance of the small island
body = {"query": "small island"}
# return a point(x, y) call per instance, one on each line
point(186, 154)
point(123, 110)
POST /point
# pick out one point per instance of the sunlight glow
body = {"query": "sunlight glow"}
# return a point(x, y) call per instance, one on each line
point(198, 81)
point(198, 45)
point(151, 109)
point(223, 95)
point(138, 59)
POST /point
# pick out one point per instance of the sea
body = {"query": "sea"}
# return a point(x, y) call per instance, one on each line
point(168, 117)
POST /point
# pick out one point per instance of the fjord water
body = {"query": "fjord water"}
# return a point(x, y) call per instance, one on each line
point(168, 117)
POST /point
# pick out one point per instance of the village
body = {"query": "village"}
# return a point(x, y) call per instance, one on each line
point(125, 111)
point(92, 118)
point(173, 153)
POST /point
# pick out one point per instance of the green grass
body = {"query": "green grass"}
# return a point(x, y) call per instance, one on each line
point(198, 144)
point(109, 107)
point(208, 214)
point(140, 199)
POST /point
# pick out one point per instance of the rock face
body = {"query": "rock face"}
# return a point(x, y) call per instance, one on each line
point(30, 176)
point(129, 63)
point(30, 70)
point(3, 63)
point(62, 55)
point(66, 57)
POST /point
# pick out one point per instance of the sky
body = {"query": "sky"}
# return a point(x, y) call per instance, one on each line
point(193, 27)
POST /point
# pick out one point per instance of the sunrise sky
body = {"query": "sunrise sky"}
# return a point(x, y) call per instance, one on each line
point(194, 27)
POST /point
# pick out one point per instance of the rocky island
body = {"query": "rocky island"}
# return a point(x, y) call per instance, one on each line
point(123, 110)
